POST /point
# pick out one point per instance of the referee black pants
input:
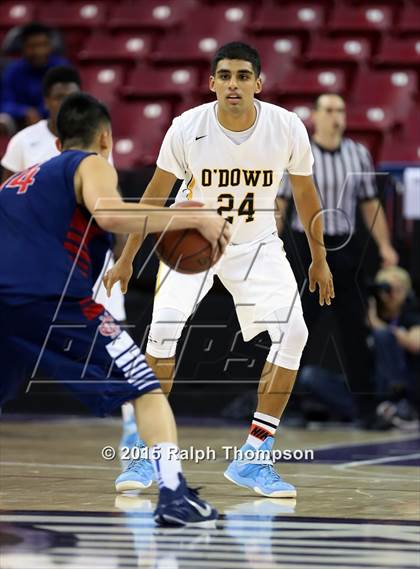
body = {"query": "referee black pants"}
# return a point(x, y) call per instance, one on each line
point(347, 310)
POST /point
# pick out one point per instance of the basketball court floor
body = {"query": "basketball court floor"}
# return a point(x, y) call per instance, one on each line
point(358, 502)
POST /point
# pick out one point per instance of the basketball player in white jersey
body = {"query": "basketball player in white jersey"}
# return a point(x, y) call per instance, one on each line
point(232, 154)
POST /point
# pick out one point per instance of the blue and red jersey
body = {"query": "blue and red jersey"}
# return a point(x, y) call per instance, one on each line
point(49, 244)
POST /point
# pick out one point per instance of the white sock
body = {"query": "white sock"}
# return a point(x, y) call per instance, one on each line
point(167, 465)
point(129, 419)
point(262, 426)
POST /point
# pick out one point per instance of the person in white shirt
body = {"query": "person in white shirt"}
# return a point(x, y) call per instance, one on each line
point(36, 143)
point(231, 155)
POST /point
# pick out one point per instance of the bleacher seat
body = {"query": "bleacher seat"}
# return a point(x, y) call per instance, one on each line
point(357, 19)
point(125, 46)
point(213, 27)
point(397, 149)
point(338, 50)
point(189, 102)
point(150, 15)
point(301, 106)
point(16, 13)
point(276, 52)
point(411, 126)
point(147, 81)
point(304, 82)
point(405, 52)
point(409, 22)
point(194, 47)
point(88, 14)
point(300, 17)
point(393, 89)
point(138, 131)
point(102, 81)
point(370, 118)
point(403, 145)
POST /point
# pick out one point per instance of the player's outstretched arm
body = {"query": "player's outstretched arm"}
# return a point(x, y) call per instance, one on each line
point(96, 189)
point(156, 193)
point(309, 210)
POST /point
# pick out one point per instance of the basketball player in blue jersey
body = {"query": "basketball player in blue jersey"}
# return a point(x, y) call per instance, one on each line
point(47, 316)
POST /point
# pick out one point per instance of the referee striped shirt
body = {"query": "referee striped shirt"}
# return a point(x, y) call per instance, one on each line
point(343, 177)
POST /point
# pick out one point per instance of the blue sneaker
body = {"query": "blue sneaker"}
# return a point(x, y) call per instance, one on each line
point(138, 475)
point(259, 474)
point(129, 439)
point(182, 507)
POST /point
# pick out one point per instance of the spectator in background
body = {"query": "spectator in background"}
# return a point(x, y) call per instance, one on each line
point(394, 322)
point(344, 176)
point(394, 319)
point(22, 98)
point(36, 143)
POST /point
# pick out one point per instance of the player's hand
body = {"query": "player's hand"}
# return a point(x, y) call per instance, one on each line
point(217, 231)
point(121, 271)
point(320, 274)
point(389, 256)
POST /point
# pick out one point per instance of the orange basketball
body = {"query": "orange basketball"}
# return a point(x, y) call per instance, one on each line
point(185, 250)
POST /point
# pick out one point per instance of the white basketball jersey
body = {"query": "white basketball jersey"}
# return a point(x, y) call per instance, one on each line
point(240, 181)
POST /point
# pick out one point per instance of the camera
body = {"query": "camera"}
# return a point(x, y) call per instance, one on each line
point(375, 289)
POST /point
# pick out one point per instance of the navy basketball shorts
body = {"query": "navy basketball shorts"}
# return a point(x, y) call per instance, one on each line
point(78, 344)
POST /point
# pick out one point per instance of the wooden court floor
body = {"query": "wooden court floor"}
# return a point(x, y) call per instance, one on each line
point(358, 502)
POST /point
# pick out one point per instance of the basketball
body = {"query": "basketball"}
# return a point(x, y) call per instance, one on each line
point(185, 250)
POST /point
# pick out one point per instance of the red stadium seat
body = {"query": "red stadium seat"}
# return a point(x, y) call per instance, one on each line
point(213, 26)
point(393, 89)
point(146, 81)
point(338, 50)
point(188, 103)
point(410, 20)
point(193, 47)
point(301, 106)
point(300, 17)
point(16, 13)
point(88, 14)
point(404, 52)
point(138, 131)
point(370, 118)
point(311, 81)
point(276, 52)
point(125, 46)
point(154, 14)
point(411, 126)
point(371, 18)
point(397, 149)
point(102, 81)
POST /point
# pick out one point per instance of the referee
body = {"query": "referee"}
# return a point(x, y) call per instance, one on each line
point(344, 176)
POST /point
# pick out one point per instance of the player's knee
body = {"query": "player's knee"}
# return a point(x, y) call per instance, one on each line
point(165, 331)
point(289, 340)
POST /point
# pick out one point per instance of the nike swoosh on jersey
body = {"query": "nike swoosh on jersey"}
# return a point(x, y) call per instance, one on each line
point(205, 512)
point(198, 137)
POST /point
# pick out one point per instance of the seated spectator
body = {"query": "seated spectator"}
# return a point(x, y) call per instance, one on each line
point(36, 143)
point(394, 319)
point(22, 99)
